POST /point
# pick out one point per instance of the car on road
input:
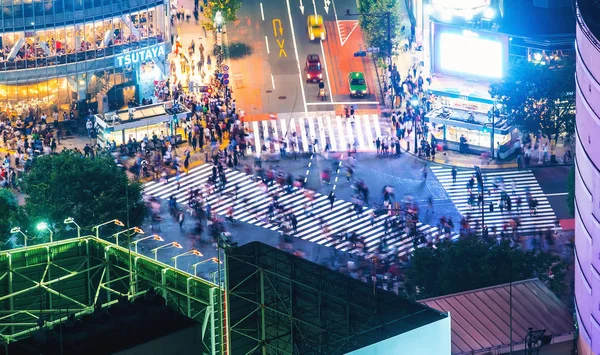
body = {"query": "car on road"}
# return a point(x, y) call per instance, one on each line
point(316, 27)
point(357, 83)
point(313, 68)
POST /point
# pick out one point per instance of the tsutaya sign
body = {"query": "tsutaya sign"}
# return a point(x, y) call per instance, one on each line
point(140, 55)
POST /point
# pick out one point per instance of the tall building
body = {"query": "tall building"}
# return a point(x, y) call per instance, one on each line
point(587, 181)
point(62, 55)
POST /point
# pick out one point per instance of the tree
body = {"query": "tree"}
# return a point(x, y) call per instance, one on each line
point(375, 27)
point(228, 9)
point(539, 97)
point(92, 191)
point(474, 263)
point(9, 208)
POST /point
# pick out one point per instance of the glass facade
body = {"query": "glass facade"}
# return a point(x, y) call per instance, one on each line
point(59, 55)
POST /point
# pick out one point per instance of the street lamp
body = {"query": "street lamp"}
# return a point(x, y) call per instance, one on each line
point(135, 229)
point(115, 221)
point(189, 252)
point(153, 237)
point(194, 266)
point(43, 225)
point(173, 244)
point(70, 220)
point(18, 230)
point(219, 20)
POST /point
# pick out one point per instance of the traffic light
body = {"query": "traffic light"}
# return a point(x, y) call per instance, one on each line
point(360, 54)
point(484, 129)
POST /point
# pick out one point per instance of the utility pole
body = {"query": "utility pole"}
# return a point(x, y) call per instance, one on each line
point(493, 126)
point(480, 187)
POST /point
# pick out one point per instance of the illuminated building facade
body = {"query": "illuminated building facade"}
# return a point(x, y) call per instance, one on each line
point(587, 180)
point(62, 55)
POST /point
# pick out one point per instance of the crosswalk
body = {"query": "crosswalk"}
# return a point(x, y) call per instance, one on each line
point(522, 181)
point(341, 218)
point(339, 132)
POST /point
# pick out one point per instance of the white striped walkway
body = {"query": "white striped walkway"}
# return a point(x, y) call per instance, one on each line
point(524, 181)
point(340, 219)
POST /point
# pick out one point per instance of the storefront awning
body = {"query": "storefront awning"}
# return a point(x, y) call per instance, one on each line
point(476, 91)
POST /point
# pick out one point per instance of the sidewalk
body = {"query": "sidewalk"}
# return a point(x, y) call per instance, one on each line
point(186, 32)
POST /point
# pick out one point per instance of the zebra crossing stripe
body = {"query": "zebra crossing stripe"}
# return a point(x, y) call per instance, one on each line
point(283, 128)
point(341, 133)
point(256, 134)
point(523, 181)
point(332, 139)
point(339, 219)
point(311, 129)
point(275, 134)
point(303, 134)
point(359, 133)
point(369, 135)
point(377, 128)
point(322, 136)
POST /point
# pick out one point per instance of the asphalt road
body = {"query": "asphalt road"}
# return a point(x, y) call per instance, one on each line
point(553, 181)
point(270, 79)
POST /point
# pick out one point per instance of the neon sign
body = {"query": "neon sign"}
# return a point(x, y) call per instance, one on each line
point(140, 55)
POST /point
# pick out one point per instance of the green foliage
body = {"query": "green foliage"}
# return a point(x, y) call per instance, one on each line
point(571, 191)
point(375, 26)
point(472, 263)
point(9, 211)
point(228, 9)
point(539, 97)
point(92, 191)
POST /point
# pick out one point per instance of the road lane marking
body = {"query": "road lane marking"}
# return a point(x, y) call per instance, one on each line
point(267, 42)
point(275, 27)
point(272, 81)
point(281, 49)
point(300, 77)
point(262, 12)
point(557, 194)
point(343, 103)
point(324, 60)
point(336, 20)
point(350, 34)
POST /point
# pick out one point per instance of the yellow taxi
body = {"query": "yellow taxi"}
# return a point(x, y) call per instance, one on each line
point(316, 27)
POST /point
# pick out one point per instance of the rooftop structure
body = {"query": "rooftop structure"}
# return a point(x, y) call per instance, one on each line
point(280, 303)
point(41, 286)
point(481, 318)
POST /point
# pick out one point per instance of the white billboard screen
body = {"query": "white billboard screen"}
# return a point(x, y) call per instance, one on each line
point(470, 54)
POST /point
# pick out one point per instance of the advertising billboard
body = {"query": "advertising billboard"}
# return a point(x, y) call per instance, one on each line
point(469, 54)
point(460, 5)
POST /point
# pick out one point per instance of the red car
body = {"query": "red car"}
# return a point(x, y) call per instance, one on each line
point(313, 68)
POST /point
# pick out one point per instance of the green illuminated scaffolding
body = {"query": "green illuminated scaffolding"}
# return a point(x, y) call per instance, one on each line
point(51, 281)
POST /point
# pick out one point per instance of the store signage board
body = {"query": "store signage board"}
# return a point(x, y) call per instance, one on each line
point(140, 55)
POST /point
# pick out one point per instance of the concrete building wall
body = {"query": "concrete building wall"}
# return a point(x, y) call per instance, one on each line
point(587, 189)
